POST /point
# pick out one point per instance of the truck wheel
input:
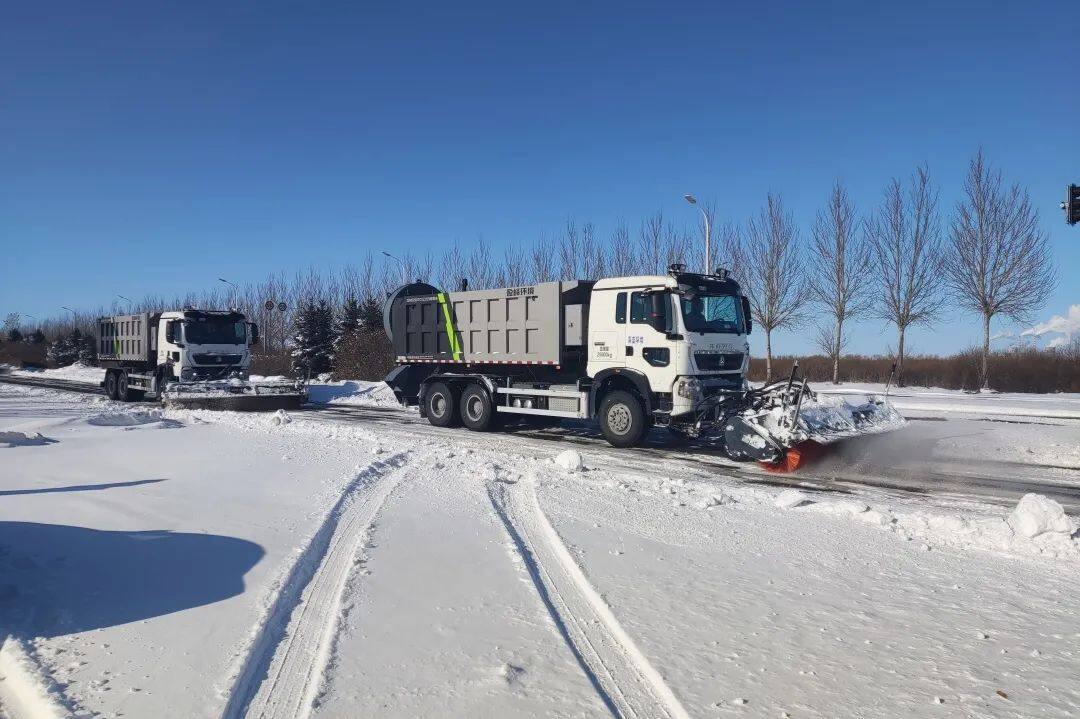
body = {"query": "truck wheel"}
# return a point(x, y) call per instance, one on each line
point(440, 405)
point(477, 409)
point(110, 384)
point(622, 419)
point(122, 392)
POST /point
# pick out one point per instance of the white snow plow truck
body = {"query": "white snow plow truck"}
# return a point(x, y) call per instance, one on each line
point(189, 358)
point(630, 352)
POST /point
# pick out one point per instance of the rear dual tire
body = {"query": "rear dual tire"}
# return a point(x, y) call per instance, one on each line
point(117, 387)
point(446, 406)
point(441, 405)
point(477, 409)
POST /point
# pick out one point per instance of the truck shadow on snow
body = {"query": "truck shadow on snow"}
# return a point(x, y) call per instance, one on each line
point(58, 579)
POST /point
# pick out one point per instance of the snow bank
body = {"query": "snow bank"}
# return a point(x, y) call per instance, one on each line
point(570, 460)
point(353, 392)
point(21, 439)
point(133, 418)
point(77, 372)
point(1037, 526)
point(1036, 514)
point(25, 690)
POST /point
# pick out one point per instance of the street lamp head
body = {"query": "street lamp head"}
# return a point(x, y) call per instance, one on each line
point(691, 199)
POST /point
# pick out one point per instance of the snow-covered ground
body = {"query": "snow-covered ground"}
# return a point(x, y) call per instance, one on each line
point(192, 563)
point(913, 400)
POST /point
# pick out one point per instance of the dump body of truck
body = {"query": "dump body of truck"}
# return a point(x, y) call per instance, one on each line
point(129, 340)
point(542, 324)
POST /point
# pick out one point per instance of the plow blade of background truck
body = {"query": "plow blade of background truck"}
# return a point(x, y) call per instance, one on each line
point(236, 397)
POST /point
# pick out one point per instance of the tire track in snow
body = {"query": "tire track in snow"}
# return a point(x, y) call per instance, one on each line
point(282, 672)
point(630, 686)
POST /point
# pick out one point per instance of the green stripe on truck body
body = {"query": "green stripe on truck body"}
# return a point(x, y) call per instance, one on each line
point(451, 331)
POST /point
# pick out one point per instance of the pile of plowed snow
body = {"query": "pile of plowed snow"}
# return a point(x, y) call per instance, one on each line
point(353, 392)
point(133, 418)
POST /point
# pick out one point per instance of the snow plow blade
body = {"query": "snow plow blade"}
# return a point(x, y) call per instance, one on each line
point(785, 425)
point(235, 396)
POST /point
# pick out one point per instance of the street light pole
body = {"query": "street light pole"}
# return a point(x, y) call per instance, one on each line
point(130, 303)
point(404, 279)
point(74, 316)
point(708, 231)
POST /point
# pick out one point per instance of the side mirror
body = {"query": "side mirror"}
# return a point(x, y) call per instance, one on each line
point(253, 334)
point(658, 314)
point(747, 314)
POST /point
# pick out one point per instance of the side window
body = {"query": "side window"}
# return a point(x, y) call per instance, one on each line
point(620, 308)
point(640, 306)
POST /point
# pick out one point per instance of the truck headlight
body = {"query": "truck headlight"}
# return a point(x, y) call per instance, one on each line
point(688, 388)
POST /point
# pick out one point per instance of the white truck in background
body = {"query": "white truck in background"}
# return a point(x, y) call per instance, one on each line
point(189, 357)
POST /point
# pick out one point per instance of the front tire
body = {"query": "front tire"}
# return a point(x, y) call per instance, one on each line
point(477, 409)
point(122, 392)
point(622, 419)
point(110, 384)
point(440, 405)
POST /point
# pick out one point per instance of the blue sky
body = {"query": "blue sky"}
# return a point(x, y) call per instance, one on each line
point(155, 147)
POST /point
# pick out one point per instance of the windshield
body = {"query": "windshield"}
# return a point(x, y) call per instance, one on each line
point(215, 332)
point(712, 313)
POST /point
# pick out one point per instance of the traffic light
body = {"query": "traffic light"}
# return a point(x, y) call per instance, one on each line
point(1071, 205)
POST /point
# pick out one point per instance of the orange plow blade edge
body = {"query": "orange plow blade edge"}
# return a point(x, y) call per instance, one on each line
point(796, 457)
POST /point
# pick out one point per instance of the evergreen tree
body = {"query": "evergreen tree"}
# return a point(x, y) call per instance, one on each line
point(371, 314)
point(314, 339)
point(87, 350)
point(347, 323)
point(71, 348)
point(14, 335)
point(37, 337)
point(61, 352)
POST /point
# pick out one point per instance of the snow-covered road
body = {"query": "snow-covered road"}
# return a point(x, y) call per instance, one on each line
point(353, 561)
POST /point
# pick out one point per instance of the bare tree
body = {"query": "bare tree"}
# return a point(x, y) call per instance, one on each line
point(569, 251)
point(773, 274)
point(542, 260)
point(841, 279)
point(729, 252)
point(904, 234)
point(514, 271)
point(452, 267)
point(999, 260)
point(621, 262)
point(651, 250)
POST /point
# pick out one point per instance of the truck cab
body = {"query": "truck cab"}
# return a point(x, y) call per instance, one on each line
point(203, 345)
point(679, 338)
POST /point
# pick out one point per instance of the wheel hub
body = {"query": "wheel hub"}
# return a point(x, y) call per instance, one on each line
point(619, 419)
point(475, 408)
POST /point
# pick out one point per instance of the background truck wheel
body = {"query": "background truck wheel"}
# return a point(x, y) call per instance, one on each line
point(477, 409)
point(622, 419)
point(110, 384)
point(122, 392)
point(440, 405)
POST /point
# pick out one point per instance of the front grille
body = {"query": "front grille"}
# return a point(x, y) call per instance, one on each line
point(710, 362)
point(215, 359)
